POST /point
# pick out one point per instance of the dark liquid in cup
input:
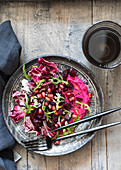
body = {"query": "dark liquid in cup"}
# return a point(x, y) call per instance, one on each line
point(103, 46)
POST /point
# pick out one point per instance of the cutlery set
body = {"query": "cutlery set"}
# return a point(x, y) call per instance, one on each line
point(41, 144)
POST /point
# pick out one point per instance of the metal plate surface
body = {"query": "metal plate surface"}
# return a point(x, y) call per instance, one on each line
point(97, 105)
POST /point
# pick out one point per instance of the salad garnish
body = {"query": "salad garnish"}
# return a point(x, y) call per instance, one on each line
point(25, 74)
point(49, 99)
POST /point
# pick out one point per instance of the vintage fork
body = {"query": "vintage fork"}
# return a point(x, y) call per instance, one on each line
point(38, 143)
point(41, 144)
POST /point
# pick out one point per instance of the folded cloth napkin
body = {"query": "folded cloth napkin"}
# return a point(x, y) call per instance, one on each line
point(10, 50)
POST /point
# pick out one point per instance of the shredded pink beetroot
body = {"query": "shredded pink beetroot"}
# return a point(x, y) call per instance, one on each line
point(80, 92)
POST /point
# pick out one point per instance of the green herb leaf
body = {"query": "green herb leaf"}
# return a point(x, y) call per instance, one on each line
point(59, 118)
point(39, 83)
point(58, 80)
point(66, 111)
point(28, 108)
point(58, 99)
point(25, 74)
point(26, 101)
point(43, 106)
point(48, 116)
point(47, 113)
point(57, 134)
point(66, 82)
point(77, 118)
point(25, 115)
point(85, 105)
point(35, 101)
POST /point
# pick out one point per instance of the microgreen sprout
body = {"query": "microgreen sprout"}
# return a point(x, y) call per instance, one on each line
point(84, 105)
point(58, 80)
point(58, 99)
point(28, 77)
point(39, 83)
point(28, 108)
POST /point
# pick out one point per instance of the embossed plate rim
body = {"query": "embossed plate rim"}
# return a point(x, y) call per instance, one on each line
point(89, 74)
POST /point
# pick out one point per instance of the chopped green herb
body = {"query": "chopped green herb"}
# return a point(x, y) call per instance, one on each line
point(66, 82)
point(48, 116)
point(25, 114)
point(26, 101)
point(57, 134)
point(25, 74)
point(34, 100)
point(34, 66)
point(57, 80)
point(66, 111)
point(77, 118)
point(28, 108)
point(39, 83)
point(85, 105)
point(43, 106)
point(58, 99)
point(47, 113)
point(59, 118)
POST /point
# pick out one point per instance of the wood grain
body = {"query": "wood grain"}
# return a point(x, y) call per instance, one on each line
point(111, 10)
point(50, 28)
point(57, 27)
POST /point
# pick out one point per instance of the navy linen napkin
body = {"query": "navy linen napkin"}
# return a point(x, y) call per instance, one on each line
point(10, 50)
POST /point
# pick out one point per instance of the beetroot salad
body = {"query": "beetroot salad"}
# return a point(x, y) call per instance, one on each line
point(49, 99)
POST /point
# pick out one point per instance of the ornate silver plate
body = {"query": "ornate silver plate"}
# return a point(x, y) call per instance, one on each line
point(68, 145)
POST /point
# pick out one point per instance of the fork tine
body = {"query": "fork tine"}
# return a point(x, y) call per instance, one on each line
point(25, 141)
point(35, 143)
point(37, 149)
point(37, 146)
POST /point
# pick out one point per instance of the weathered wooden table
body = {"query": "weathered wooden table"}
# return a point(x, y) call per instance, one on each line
point(57, 27)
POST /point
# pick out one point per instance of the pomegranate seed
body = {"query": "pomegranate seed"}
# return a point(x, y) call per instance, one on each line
point(43, 94)
point(48, 99)
point(56, 113)
point(62, 83)
point(40, 111)
point(61, 86)
point(72, 99)
point(76, 111)
point(39, 60)
point(74, 116)
point(59, 124)
point(53, 108)
point(56, 142)
point(39, 96)
point(62, 120)
point(36, 91)
point(50, 96)
point(46, 103)
point(59, 89)
point(68, 94)
point(49, 90)
point(49, 106)
point(56, 126)
point(90, 95)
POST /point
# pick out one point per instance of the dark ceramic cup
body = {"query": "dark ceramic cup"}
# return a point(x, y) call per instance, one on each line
point(101, 44)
